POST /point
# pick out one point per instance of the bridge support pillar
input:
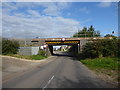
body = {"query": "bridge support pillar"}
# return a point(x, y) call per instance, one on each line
point(75, 50)
point(49, 50)
point(82, 43)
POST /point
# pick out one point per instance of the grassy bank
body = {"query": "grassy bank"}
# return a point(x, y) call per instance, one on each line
point(105, 65)
point(33, 57)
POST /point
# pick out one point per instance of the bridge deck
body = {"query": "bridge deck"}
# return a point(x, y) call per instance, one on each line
point(59, 39)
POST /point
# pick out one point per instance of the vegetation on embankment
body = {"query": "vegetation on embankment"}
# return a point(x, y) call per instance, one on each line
point(106, 65)
point(32, 57)
point(102, 56)
point(101, 48)
point(10, 48)
point(39, 56)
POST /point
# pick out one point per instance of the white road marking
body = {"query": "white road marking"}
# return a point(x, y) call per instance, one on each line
point(48, 82)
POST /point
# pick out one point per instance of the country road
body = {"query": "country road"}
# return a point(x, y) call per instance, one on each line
point(63, 72)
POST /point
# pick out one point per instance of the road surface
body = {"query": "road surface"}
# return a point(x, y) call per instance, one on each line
point(63, 72)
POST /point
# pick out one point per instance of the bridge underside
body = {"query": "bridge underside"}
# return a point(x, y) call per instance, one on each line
point(74, 43)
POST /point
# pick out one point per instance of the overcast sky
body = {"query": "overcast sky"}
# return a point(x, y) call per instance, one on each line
point(57, 19)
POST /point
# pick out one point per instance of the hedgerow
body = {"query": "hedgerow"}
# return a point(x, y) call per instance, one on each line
point(9, 47)
point(101, 48)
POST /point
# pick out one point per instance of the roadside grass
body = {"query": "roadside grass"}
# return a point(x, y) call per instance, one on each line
point(38, 57)
point(33, 57)
point(106, 65)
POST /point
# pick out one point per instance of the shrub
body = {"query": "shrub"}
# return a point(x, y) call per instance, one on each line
point(91, 50)
point(9, 47)
point(41, 52)
point(100, 48)
point(118, 44)
point(109, 47)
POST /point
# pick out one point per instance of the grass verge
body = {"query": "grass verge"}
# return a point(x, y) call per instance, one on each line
point(33, 57)
point(105, 65)
point(38, 57)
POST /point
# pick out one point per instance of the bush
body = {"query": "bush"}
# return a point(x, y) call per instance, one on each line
point(41, 52)
point(118, 45)
point(109, 47)
point(91, 50)
point(101, 48)
point(9, 47)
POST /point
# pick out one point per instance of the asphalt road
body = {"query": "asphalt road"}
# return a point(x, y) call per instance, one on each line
point(63, 72)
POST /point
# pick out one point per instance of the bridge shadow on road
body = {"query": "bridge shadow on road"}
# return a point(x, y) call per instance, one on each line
point(63, 55)
point(66, 54)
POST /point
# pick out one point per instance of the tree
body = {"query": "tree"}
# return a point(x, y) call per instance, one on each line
point(90, 32)
point(9, 47)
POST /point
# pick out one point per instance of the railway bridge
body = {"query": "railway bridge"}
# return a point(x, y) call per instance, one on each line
point(76, 42)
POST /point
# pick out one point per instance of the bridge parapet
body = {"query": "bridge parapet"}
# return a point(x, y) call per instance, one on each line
point(59, 39)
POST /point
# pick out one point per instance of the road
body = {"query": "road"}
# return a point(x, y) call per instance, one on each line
point(63, 72)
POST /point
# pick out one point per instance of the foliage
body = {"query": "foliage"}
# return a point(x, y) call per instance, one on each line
point(105, 65)
point(109, 47)
point(41, 52)
point(101, 48)
point(118, 45)
point(104, 62)
point(37, 57)
point(9, 47)
point(91, 50)
point(90, 32)
point(33, 57)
